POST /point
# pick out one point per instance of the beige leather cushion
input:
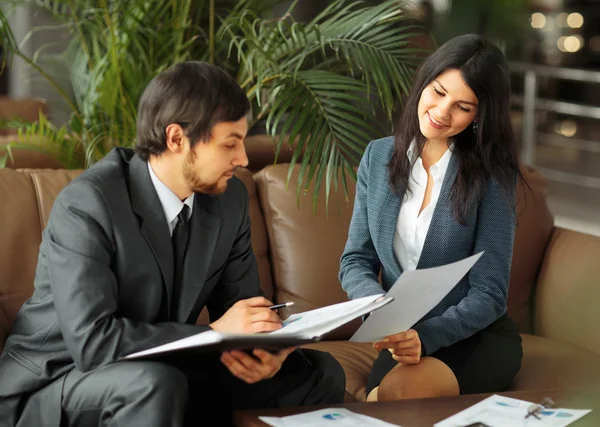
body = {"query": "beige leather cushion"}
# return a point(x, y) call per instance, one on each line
point(534, 228)
point(46, 185)
point(305, 246)
point(259, 240)
point(356, 359)
point(547, 364)
point(27, 197)
point(261, 148)
point(259, 233)
point(568, 292)
point(20, 237)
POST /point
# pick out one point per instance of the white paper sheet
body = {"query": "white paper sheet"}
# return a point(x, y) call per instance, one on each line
point(500, 411)
point(319, 319)
point(338, 417)
point(415, 293)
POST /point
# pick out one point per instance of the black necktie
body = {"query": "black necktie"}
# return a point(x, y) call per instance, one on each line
point(180, 241)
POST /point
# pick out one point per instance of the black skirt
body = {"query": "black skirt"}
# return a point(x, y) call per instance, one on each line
point(486, 362)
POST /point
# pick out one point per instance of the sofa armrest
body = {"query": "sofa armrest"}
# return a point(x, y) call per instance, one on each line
point(568, 290)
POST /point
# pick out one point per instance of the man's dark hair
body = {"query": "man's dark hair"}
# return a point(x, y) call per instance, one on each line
point(194, 94)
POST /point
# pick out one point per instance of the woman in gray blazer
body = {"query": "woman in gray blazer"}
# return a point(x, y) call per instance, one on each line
point(442, 189)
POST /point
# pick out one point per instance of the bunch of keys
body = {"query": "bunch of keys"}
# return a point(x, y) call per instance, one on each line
point(534, 410)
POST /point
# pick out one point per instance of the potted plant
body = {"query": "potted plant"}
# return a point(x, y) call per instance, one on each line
point(316, 86)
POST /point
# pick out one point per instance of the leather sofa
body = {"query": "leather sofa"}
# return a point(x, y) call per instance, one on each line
point(555, 281)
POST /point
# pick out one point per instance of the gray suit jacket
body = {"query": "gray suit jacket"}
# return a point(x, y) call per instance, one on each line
point(480, 297)
point(104, 280)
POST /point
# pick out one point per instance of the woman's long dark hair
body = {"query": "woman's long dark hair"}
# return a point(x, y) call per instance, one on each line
point(488, 152)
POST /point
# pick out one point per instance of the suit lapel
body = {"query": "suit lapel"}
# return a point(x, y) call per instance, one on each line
point(387, 230)
point(154, 227)
point(204, 230)
point(442, 216)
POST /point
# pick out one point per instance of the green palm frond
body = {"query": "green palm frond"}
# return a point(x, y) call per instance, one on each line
point(7, 39)
point(116, 49)
point(374, 44)
point(329, 117)
point(319, 85)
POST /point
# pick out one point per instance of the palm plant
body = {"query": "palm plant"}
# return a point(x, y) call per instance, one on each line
point(317, 86)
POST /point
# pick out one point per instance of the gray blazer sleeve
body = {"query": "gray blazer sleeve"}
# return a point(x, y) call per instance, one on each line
point(360, 263)
point(488, 279)
point(79, 251)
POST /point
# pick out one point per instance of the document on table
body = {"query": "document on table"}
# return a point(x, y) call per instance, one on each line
point(298, 329)
point(500, 411)
point(415, 293)
point(338, 417)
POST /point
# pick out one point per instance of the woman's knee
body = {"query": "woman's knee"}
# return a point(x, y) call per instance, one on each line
point(396, 385)
point(429, 378)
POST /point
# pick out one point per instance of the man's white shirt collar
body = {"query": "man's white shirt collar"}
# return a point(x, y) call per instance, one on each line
point(171, 204)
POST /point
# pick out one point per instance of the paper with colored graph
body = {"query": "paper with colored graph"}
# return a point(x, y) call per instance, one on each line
point(338, 417)
point(500, 411)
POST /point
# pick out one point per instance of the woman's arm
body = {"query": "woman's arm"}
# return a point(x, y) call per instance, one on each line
point(360, 263)
point(488, 279)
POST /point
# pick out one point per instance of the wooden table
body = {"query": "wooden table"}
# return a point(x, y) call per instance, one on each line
point(427, 412)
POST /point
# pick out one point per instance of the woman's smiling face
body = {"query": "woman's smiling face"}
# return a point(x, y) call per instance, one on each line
point(446, 107)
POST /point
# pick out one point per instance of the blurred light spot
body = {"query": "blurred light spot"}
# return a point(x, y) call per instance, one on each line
point(575, 20)
point(566, 128)
point(538, 20)
point(569, 44)
point(595, 44)
point(560, 43)
point(561, 19)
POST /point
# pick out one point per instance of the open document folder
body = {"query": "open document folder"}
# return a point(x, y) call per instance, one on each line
point(414, 295)
point(298, 329)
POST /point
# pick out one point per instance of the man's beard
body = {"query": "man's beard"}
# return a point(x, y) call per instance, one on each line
point(196, 184)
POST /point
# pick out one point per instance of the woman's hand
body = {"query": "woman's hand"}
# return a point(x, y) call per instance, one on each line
point(405, 346)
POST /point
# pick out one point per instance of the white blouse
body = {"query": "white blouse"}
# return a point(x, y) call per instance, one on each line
point(412, 227)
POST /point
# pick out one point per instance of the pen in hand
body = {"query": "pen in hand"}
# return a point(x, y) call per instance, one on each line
point(285, 304)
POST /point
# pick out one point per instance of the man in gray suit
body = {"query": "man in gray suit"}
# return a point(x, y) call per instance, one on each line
point(135, 247)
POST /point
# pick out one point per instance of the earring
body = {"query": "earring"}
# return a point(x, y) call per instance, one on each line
point(475, 126)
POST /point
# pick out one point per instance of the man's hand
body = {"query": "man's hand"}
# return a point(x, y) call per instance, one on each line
point(405, 346)
point(253, 369)
point(248, 316)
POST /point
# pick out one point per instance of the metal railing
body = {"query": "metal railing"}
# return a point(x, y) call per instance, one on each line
point(530, 103)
